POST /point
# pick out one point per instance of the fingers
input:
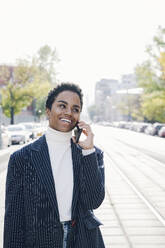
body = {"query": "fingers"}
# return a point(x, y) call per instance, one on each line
point(86, 128)
point(88, 142)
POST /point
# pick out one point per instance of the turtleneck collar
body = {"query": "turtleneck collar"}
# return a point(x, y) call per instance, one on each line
point(58, 136)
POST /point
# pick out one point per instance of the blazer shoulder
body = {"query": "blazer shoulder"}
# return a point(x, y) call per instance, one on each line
point(98, 151)
point(22, 153)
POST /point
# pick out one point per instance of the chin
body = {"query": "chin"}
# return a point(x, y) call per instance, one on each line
point(65, 130)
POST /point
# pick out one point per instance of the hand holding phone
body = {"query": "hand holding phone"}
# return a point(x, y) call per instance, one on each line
point(77, 133)
point(86, 143)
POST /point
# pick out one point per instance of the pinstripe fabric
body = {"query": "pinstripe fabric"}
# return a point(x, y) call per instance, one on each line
point(31, 208)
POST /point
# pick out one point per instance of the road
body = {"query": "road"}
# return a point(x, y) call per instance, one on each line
point(153, 146)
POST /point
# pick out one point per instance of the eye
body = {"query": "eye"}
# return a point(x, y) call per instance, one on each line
point(76, 110)
point(62, 106)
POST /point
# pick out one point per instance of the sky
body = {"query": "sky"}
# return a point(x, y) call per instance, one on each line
point(94, 39)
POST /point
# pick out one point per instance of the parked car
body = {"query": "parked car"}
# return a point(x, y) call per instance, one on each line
point(155, 128)
point(161, 132)
point(30, 126)
point(5, 136)
point(36, 129)
point(148, 129)
point(141, 127)
point(18, 134)
point(39, 129)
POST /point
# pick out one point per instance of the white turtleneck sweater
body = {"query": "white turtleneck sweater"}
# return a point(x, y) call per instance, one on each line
point(59, 146)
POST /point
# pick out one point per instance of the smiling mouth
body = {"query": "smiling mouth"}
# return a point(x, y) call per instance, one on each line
point(66, 120)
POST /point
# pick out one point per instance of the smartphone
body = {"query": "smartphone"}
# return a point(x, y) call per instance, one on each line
point(77, 133)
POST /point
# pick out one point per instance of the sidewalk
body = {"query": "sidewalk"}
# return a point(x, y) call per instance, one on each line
point(2, 203)
point(127, 222)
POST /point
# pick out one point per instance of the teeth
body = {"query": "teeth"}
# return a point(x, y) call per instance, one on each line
point(69, 121)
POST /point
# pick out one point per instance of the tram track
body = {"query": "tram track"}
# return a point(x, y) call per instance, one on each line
point(137, 222)
point(113, 163)
point(157, 156)
point(146, 172)
point(135, 190)
point(144, 165)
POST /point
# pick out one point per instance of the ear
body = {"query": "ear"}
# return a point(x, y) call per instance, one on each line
point(48, 112)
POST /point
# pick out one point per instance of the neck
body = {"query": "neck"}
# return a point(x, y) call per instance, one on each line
point(58, 136)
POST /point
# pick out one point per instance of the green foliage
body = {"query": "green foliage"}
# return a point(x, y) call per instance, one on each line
point(153, 106)
point(40, 106)
point(28, 80)
point(146, 77)
point(151, 76)
point(4, 73)
point(130, 106)
point(46, 59)
point(15, 97)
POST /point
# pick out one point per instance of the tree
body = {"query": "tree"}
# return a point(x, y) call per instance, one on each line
point(129, 106)
point(28, 80)
point(46, 58)
point(153, 107)
point(151, 77)
point(23, 86)
point(40, 107)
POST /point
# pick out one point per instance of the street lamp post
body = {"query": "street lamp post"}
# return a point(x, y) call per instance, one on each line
point(39, 114)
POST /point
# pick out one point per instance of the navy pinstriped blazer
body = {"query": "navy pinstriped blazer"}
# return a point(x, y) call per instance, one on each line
point(31, 209)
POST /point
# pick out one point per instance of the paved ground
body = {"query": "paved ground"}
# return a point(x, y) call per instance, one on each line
point(2, 201)
point(128, 223)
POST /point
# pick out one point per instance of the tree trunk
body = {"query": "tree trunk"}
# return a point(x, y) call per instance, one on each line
point(12, 115)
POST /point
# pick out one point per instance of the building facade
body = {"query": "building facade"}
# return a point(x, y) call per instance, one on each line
point(112, 96)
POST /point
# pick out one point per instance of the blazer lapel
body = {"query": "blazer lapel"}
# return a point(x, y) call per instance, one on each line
point(76, 158)
point(41, 161)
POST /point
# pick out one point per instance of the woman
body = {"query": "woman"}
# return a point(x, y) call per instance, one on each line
point(54, 184)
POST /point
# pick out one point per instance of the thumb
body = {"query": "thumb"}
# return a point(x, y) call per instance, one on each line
point(74, 139)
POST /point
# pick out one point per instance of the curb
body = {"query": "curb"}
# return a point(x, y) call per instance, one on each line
point(4, 157)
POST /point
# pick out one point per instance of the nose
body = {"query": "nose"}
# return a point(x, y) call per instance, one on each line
point(68, 111)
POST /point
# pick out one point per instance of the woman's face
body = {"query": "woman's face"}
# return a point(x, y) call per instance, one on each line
point(65, 111)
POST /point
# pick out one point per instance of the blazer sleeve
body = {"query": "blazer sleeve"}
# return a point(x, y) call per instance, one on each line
point(92, 190)
point(14, 206)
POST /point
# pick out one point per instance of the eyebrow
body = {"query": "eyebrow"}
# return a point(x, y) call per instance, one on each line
point(75, 105)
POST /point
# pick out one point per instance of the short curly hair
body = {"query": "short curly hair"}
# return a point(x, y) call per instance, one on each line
point(60, 88)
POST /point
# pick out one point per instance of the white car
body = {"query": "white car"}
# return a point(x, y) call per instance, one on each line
point(36, 129)
point(29, 126)
point(18, 134)
point(5, 137)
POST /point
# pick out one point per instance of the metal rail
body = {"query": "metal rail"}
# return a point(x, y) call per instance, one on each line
point(136, 189)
